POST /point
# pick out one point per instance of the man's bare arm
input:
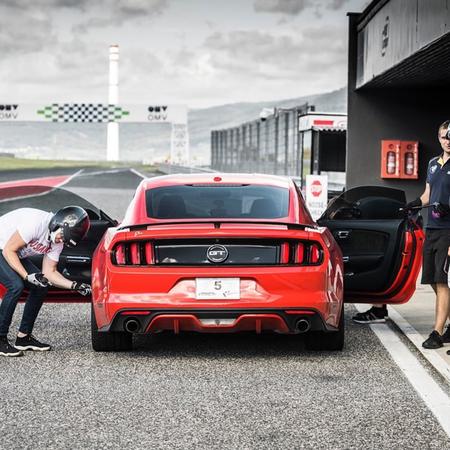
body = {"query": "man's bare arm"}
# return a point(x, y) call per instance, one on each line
point(49, 269)
point(425, 197)
point(14, 244)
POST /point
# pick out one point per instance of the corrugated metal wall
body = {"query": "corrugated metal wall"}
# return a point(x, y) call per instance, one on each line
point(269, 146)
point(398, 30)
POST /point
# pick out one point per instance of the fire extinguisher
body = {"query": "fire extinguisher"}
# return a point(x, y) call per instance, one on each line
point(390, 163)
point(409, 163)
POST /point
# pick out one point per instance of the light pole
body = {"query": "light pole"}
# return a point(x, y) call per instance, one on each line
point(112, 152)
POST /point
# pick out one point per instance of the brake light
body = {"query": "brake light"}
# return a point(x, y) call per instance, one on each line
point(138, 253)
point(314, 254)
point(299, 253)
point(308, 253)
point(149, 253)
point(135, 254)
point(284, 257)
point(120, 254)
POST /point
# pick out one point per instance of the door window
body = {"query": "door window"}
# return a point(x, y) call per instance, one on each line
point(366, 203)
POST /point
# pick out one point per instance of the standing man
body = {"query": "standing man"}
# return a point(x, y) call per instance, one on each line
point(28, 232)
point(437, 236)
point(437, 243)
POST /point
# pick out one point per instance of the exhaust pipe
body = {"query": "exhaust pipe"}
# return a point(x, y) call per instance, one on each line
point(302, 325)
point(132, 325)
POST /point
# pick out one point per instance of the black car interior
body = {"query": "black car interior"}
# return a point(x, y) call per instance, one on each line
point(370, 229)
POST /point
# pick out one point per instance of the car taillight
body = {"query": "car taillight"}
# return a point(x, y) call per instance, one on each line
point(299, 253)
point(149, 253)
point(135, 254)
point(132, 253)
point(308, 253)
point(119, 254)
point(284, 256)
point(314, 254)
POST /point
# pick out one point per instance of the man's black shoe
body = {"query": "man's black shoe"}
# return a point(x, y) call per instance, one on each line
point(6, 349)
point(373, 315)
point(434, 341)
point(446, 335)
point(29, 342)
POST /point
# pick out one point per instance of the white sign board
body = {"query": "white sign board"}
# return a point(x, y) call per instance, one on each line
point(316, 194)
point(93, 112)
point(322, 122)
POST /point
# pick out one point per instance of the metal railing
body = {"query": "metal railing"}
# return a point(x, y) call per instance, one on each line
point(268, 145)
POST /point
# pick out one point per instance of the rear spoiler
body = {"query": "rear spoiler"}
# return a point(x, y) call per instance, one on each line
point(218, 223)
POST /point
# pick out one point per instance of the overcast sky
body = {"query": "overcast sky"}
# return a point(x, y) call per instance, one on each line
point(195, 52)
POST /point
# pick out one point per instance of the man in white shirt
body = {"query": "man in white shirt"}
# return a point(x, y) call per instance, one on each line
point(29, 232)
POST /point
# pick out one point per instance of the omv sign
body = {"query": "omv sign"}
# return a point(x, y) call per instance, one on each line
point(9, 112)
point(157, 113)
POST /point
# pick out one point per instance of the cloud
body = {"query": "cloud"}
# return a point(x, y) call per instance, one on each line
point(106, 13)
point(23, 33)
point(335, 5)
point(295, 7)
point(290, 7)
point(262, 54)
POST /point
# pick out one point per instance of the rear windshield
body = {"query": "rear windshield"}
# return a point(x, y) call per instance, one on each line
point(206, 201)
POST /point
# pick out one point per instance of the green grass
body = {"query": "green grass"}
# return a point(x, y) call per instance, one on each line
point(8, 163)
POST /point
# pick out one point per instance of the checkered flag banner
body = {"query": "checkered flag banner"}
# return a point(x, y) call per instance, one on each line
point(82, 112)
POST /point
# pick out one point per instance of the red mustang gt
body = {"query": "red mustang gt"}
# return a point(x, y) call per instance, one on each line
point(221, 253)
point(227, 253)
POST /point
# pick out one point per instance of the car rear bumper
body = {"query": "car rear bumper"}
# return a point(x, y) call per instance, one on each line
point(284, 321)
point(263, 290)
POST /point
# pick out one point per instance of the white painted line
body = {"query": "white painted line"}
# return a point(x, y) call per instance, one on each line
point(434, 397)
point(435, 359)
point(101, 172)
point(76, 174)
point(139, 174)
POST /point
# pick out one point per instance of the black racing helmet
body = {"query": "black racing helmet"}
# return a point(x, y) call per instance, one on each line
point(74, 223)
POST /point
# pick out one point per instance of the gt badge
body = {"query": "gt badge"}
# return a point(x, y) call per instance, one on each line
point(217, 253)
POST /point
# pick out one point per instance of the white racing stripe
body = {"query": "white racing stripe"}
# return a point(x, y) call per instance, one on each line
point(108, 171)
point(434, 397)
point(101, 172)
point(139, 174)
point(76, 174)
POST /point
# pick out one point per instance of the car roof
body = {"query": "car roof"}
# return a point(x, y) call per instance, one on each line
point(216, 178)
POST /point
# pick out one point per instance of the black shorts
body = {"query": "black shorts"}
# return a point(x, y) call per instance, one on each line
point(435, 250)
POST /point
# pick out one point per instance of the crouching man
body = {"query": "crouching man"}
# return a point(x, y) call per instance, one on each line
point(27, 232)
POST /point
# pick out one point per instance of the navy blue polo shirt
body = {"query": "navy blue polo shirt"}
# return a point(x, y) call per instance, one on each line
point(438, 176)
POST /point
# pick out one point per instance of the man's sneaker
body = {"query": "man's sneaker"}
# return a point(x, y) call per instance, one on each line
point(29, 342)
point(446, 335)
point(434, 341)
point(373, 315)
point(6, 349)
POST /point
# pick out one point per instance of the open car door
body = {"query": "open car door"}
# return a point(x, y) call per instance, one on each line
point(74, 263)
point(380, 243)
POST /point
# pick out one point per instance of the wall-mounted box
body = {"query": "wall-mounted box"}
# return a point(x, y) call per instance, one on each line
point(399, 159)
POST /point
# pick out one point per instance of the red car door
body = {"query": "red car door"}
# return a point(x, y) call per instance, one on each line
point(380, 243)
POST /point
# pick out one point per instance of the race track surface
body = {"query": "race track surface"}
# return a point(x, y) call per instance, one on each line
point(204, 391)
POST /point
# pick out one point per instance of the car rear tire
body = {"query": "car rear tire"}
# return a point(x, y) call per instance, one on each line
point(327, 340)
point(109, 341)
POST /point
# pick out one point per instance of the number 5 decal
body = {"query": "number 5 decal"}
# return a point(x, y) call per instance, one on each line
point(218, 285)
